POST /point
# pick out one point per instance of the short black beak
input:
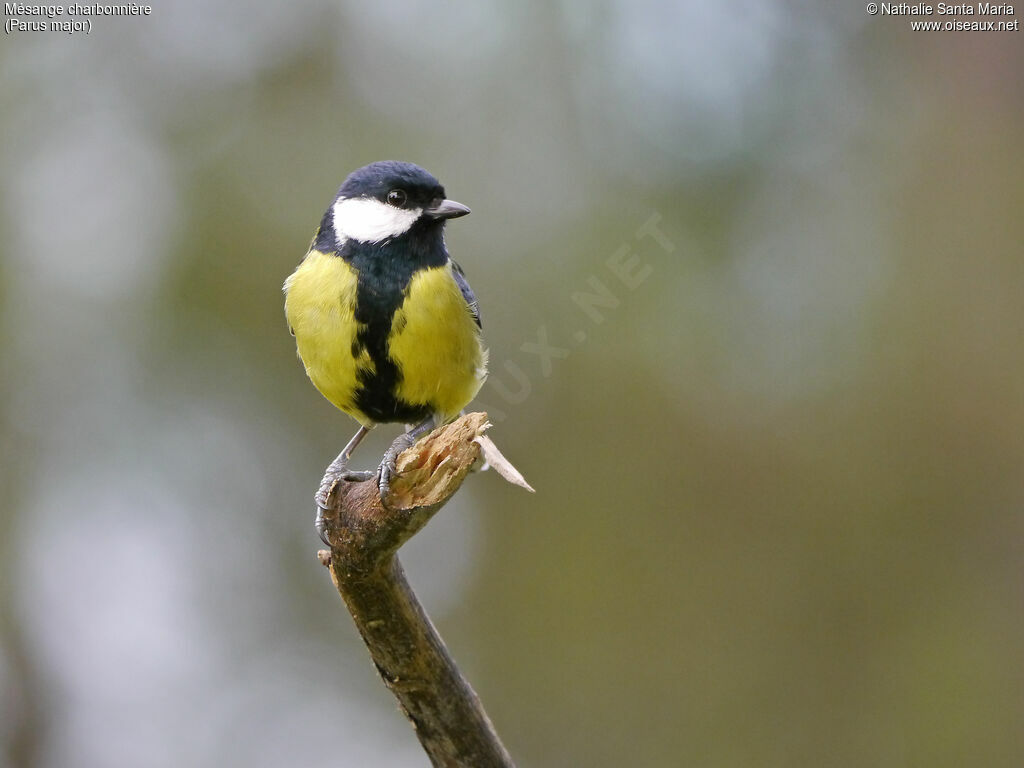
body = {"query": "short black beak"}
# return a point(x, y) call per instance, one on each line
point(446, 209)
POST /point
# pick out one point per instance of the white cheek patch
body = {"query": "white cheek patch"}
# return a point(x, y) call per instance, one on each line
point(370, 221)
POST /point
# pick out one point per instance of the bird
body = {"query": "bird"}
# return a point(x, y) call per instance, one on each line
point(384, 320)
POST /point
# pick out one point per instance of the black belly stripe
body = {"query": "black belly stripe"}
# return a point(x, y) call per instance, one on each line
point(384, 273)
point(375, 395)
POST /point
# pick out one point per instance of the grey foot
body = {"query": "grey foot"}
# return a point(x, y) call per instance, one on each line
point(326, 486)
point(387, 468)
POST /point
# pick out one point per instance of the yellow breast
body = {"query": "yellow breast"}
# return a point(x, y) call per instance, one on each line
point(434, 340)
point(319, 303)
point(436, 343)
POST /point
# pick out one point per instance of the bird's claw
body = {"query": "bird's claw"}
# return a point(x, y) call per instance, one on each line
point(325, 491)
point(321, 525)
point(388, 469)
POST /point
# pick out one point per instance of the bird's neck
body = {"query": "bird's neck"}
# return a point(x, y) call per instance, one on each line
point(389, 265)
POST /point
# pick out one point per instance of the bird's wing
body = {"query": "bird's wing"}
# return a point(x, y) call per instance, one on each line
point(467, 292)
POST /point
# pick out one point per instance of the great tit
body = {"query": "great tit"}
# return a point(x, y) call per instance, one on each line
point(384, 320)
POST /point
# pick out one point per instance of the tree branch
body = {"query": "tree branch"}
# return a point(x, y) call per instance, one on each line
point(412, 660)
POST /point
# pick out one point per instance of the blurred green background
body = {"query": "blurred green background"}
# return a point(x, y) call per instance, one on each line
point(779, 476)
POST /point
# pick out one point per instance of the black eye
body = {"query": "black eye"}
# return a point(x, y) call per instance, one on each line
point(397, 198)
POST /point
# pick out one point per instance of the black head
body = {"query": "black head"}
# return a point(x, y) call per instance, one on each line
point(378, 180)
point(385, 199)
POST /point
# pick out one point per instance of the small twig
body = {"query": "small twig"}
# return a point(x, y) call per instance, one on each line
point(409, 654)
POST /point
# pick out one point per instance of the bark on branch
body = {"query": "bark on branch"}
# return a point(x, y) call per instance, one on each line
point(412, 660)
